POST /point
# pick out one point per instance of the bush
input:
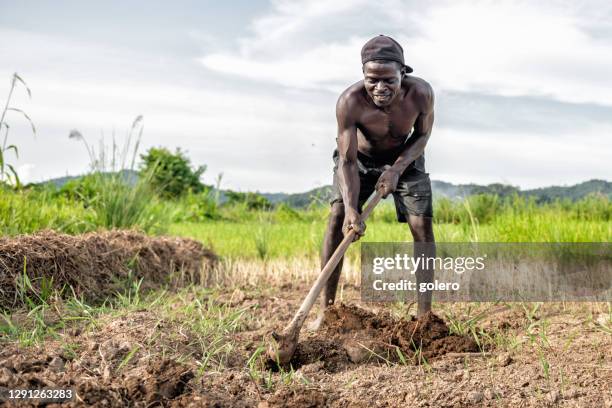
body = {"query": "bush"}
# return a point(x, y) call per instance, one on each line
point(172, 174)
point(284, 213)
point(82, 189)
point(197, 207)
point(478, 208)
point(593, 207)
point(251, 201)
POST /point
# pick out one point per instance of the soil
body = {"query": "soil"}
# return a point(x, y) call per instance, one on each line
point(352, 334)
point(140, 358)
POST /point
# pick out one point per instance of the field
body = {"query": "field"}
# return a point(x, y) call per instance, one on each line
point(138, 340)
point(204, 347)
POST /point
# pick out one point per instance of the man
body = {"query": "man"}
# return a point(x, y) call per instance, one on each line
point(384, 123)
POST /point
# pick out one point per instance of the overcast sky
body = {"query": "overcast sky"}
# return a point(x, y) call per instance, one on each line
point(523, 89)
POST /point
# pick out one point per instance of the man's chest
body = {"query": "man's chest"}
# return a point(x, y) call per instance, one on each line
point(397, 124)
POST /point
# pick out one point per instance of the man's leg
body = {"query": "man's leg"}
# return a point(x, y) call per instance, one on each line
point(331, 240)
point(421, 228)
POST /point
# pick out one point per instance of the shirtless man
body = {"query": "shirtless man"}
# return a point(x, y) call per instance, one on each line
point(384, 123)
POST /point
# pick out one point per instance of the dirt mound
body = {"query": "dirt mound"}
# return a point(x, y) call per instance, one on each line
point(354, 335)
point(96, 265)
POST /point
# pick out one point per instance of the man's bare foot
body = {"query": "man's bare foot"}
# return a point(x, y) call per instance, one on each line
point(316, 324)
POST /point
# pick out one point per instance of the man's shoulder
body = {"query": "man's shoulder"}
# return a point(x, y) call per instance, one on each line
point(351, 96)
point(419, 87)
point(420, 91)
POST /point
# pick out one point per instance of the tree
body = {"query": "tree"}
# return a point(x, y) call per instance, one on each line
point(171, 173)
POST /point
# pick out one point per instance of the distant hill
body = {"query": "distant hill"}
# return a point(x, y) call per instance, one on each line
point(455, 191)
point(544, 194)
point(440, 189)
point(458, 191)
point(300, 200)
point(130, 175)
point(574, 192)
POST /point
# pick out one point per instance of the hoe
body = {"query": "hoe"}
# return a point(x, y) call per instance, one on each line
point(282, 348)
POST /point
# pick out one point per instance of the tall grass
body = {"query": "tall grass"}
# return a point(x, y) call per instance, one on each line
point(119, 202)
point(8, 174)
point(119, 205)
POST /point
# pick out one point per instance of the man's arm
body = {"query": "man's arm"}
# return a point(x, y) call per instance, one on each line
point(415, 144)
point(348, 171)
point(422, 130)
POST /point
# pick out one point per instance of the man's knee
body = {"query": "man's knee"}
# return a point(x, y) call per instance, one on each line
point(421, 228)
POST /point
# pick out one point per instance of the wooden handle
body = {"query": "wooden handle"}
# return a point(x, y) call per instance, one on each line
point(300, 316)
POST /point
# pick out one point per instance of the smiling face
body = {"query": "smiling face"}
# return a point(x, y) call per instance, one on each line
point(382, 81)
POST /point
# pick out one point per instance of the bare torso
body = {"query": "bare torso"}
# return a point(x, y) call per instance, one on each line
point(382, 133)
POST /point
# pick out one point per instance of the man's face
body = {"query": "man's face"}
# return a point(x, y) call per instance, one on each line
point(382, 80)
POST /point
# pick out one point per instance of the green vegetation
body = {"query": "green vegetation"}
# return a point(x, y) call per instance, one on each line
point(248, 201)
point(241, 228)
point(171, 173)
point(116, 202)
point(27, 211)
point(103, 199)
point(285, 232)
point(119, 205)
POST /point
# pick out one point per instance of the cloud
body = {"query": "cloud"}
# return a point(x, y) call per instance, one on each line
point(504, 48)
point(243, 132)
point(512, 114)
point(263, 112)
point(524, 158)
point(514, 48)
point(323, 67)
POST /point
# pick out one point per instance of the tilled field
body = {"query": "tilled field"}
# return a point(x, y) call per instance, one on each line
point(365, 356)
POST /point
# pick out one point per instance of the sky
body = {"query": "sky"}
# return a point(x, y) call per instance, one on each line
point(248, 88)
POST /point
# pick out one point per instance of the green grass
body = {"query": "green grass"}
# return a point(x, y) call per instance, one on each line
point(27, 211)
point(102, 202)
point(118, 206)
point(302, 238)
